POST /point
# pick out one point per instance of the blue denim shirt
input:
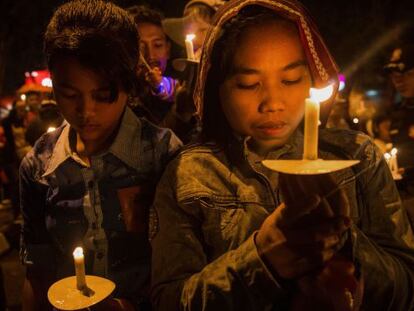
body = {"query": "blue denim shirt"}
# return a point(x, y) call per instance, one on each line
point(211, 201)
point(102, 206)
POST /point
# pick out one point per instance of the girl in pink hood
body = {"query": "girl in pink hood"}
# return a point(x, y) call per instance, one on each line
point(229, 234)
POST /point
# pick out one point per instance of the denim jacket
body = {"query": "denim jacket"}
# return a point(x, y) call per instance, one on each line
point(102, 206)
point(211, 201)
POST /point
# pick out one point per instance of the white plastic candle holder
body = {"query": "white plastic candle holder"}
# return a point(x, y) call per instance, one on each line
point(64, 295)
point(308, 167)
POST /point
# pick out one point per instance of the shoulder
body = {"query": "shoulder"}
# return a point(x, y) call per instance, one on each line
point(161, 138)
point(351, 144)
point(37, 159)
point(197, 161)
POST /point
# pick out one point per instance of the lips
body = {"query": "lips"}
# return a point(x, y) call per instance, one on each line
point(272, 128)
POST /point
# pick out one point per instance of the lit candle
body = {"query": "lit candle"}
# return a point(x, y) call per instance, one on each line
point(189, 46)
point(79, 268)
point(310, 148)
point(393, 160)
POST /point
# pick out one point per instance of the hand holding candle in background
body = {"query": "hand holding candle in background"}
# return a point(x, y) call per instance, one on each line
point(79, 268)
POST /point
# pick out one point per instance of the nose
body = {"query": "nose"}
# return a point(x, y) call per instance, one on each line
point(272, 100)
point(151, 53)
point(87, 108)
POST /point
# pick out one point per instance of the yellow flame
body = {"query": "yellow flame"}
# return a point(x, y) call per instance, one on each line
point(321, 95)
point(190, 37)
point(51, 129)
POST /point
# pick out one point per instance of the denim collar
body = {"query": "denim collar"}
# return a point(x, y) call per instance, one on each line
point(126, 146)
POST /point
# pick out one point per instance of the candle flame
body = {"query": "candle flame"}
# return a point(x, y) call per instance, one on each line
point(78, 252)
point(321, 95)
point(190, 37)
point(51, 129)
point(394, 151)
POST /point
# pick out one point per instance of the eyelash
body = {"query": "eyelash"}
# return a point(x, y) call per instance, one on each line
point(292, 82)
point(254, 86)
point(247, 87)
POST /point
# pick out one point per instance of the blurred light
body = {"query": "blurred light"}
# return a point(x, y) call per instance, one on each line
point(190, 37)
point(321, 95)
point(27, 74)
point(355, 120)
point(341, 85)
point(387, 156)
point(47, 82)
point(371, 93)
point(23, 97)
point(34, 74)
point(394, 151)
point(51, 129)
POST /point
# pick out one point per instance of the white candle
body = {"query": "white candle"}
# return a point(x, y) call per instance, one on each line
point(79, 268)
point(393, 160)
point(310, 148)
point(189, 46)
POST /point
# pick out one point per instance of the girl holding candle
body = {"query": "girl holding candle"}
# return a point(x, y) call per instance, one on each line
point(90, 182)
point(232, 235)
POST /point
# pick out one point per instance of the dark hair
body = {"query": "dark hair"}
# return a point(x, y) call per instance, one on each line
point(200, 9)
point(145, 14)
point(100, 35)
point(215, 125)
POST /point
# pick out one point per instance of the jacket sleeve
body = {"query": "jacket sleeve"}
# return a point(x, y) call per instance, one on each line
point(36, 251)
point(383, 240)
point(183, 276)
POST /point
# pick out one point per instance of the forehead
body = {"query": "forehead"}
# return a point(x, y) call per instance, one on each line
point(150, 31)
point(69, 71)
point(279, 43)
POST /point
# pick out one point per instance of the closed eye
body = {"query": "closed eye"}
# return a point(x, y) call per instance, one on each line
point(292, 82)
point(248, 86)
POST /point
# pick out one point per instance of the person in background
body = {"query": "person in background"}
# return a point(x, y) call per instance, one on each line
point(14, 149)
point(198, 15)
point(49, 118)
point(158, 100)
point(400, 68)
point(90, 182)
point(157, 93)
point(381, 125)
point(33, 102)
point(230, 234)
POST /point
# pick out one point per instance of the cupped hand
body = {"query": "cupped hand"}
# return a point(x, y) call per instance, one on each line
point(304, 232)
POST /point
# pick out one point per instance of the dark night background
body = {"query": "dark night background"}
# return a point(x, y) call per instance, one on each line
point(351, 28)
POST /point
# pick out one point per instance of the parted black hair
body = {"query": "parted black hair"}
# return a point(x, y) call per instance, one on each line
point(215, 125)
point(100, 35)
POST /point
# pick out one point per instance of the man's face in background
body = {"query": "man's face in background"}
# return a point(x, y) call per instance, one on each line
point(154, 46)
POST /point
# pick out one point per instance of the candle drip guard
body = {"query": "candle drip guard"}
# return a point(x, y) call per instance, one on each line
point(64, 294)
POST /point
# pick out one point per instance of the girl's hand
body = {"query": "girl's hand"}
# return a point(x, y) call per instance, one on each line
point(303, 233)
point(334, 288)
